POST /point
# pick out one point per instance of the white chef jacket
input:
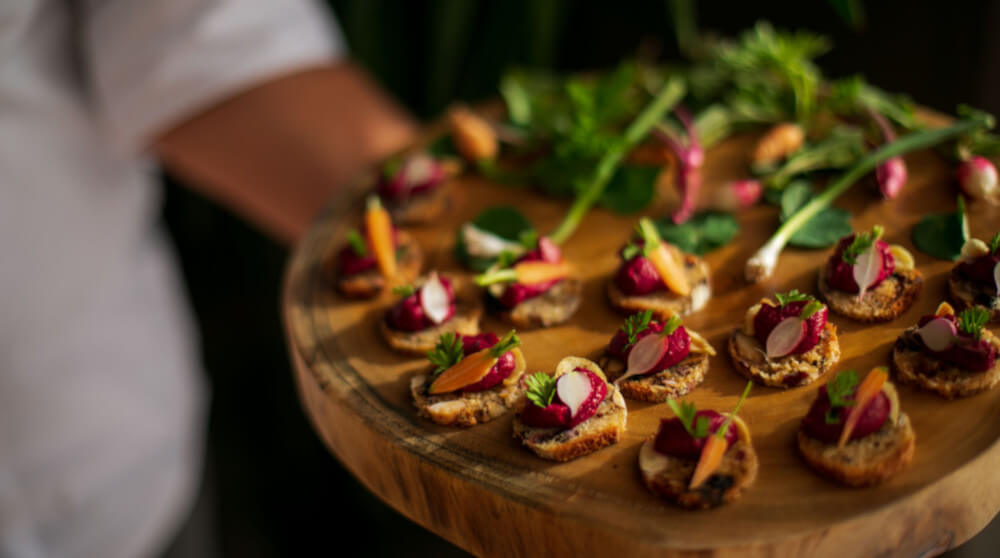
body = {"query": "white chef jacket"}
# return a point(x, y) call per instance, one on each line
point(102, 406)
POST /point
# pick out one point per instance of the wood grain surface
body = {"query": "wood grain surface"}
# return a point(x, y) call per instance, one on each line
point(479, 489)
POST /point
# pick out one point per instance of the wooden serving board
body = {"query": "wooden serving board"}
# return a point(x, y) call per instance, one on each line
point(479, 489)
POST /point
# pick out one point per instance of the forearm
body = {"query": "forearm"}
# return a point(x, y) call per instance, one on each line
point(276, 153)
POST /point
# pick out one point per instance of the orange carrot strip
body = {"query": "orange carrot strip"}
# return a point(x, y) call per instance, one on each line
point(531, 273)
point(379, 228)
point(468, 371)
point(869, 388)
point(708, 462)
point(666, 260)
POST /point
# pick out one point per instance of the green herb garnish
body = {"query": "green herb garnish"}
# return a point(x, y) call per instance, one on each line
point(671, 326)
point(541, 389)
point(824, 229)
point(995, 242)
point(636, 324)
point(784, 299)
point(632, 250)
point(973, 320)
point(721, 433)
point(404, 290)
point(506, 343)
point(357, 242)
point(687, 413)
point(838, 390)
point(942, 235)
point(862, 242)
point(810, 308)
point(447, 353)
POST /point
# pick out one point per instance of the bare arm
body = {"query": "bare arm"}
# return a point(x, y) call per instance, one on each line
point(275, 153)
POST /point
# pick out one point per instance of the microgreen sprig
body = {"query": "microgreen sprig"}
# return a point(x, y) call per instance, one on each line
point(973, 320)
point(838, 390)
point(636, 324)
point(671, 326)
point(687, 412)
point(357, 242)
point(404, 290)
point(447, 353)
point(784, 299)
point(721, 433)
point(506, 343)
point(810, 308)
point(541, 389)
point(861, 243)
point(995, 242)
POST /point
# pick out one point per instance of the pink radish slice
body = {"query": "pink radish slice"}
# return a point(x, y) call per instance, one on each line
point(644, 355)
point(867, 269)
point(785, 337)
point(434, 299)
point(938, 334)
point(573, 389)
point(996, 277)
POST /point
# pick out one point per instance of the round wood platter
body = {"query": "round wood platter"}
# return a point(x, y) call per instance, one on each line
point(480, 490)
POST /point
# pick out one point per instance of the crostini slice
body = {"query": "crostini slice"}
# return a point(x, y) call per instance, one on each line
point(376, 257)
point(432, 306)
point(975, 281)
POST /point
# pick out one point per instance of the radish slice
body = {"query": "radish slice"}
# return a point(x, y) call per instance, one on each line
point(419, 170)
point(785, 337)
point(644, 355)
point(938, 334)
point(434, 299)
point(996, 277)
point(867, 269)
point(486, 244)
point(573, 389)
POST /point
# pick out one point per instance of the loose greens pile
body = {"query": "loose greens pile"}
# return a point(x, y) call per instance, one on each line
point(582, 137)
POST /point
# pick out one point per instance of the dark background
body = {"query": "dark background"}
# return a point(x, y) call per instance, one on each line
point(272, 489)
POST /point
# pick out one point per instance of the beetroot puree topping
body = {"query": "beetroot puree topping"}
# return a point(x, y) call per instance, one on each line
point(871, 420)
point(967, 352)
point(678, 345)
point(673, 439)
point(980, 270)
point(840, 274)
point(408, 314)
point(500, 371)
point(418, 175)
point(556, 414)
point(516, 293)
point(637, 276)
point(350, 262)
point(770, 316)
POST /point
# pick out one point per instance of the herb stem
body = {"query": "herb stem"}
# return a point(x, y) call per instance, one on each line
point(508, 275)
point(668, 96)
point(761, 265)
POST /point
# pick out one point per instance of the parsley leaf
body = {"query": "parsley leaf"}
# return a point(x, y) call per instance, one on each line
point(447, 353)
point(508, 342)
point(838, 390)
point(541, 389)
point(702, 233)
point(671, 326)
point(687, 412)
point(995, 242)
point(357, 242)
point(861, 243)
point(636, 324)
point(404, 290)
point(631, 250)
point(810, 308)
point(784, 299)
point(973, 320)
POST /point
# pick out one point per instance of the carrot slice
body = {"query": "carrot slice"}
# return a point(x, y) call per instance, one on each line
point(530, 273)
point(379, 228)
point(869, 388)
point(468, 371)
point(708, 462)
point(666, 260)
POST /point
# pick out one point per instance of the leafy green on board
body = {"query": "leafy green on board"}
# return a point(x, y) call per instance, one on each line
point(504, 221)
point(631, 188)
point(942, 235)
point(824, 229)
point(702, 233)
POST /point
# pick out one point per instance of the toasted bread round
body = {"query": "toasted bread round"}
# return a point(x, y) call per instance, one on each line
point(422, 208)
point(884, 303)
point(559, 444)
point(669, 383)
point(550, 308)
point(469, 409)
point(369, 283)
point(665, 303)
point(670, 476)
point(966, 294)
point(465, 321)
point(915, 367)
point(787, 371)
point(865, 461)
